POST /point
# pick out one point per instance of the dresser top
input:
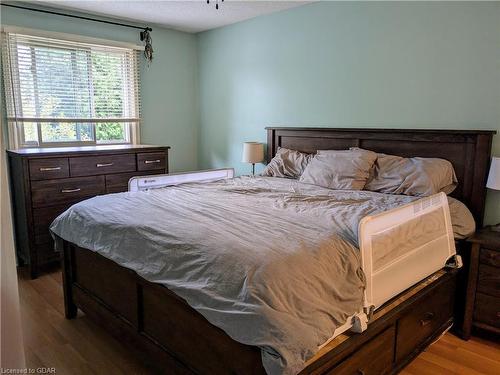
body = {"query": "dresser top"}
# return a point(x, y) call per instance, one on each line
point(101, 149)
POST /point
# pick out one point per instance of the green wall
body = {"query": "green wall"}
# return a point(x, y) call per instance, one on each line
point(350, 64)
point(373, 64)
point(169, 91)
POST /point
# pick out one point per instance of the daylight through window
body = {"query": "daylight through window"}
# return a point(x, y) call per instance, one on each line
point(69, 93)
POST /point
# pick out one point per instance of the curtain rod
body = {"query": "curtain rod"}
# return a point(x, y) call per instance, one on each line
point(79, 17)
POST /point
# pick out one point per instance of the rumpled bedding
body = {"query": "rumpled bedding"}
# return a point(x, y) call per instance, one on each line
point(271, 261)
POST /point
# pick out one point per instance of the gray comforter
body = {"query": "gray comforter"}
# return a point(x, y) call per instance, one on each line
point(273, 262)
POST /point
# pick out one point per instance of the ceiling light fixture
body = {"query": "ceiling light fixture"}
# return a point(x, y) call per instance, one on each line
point(216, 3)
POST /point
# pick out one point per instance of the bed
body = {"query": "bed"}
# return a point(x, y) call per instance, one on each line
point(163, 326)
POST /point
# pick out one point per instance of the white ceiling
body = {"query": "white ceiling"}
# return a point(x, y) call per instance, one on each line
point(189, 15)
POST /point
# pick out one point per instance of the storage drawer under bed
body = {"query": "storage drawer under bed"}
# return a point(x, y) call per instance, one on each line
point(434, 311)
point(378, 353)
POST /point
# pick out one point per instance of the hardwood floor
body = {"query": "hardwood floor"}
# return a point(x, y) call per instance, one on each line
point(71, 346)
point(81, 347)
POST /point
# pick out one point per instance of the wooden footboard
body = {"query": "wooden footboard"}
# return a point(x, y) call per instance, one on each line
point(176, 339)
point(162, 327)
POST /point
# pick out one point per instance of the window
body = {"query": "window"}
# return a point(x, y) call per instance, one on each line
point(69, 93)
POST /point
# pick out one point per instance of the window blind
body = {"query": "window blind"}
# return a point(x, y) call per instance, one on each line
point(60, 92)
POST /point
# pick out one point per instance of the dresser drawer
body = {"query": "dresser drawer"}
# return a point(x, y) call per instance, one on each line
point(151, 160)
point(487, 310)
point(58, 192)
point(46, 169)
point(488, 281)
point(96, 165)
point(490, 257)
point(117, 183)
point(373, 358)
point(433, 311)
point(43, 217)
point(46, 254)
point(41, 239)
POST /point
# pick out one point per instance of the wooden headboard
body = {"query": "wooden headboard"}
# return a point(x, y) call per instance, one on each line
point(468, 150)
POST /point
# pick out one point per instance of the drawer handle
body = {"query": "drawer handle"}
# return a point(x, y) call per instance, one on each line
point(152, 161)
point(70, 190)
point(428, 316)
point(45, 169)
point(360, 372)
point(99, 165)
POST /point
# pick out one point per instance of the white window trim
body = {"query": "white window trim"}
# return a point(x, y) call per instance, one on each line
point(14, 132)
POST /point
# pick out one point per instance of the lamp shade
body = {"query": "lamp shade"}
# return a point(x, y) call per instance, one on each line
point(253, 152)
point(494, 175)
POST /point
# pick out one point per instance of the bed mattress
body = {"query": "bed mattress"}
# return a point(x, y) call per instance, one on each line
point(273, 262)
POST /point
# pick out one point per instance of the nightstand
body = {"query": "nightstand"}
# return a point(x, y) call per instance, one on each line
point(482, 301)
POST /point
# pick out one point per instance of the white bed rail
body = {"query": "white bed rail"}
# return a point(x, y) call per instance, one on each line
point(164, 180)
point(399, 248)
point(404, 245)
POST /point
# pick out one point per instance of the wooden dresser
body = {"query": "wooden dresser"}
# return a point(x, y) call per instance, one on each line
point(45, 182)
point(482, 305)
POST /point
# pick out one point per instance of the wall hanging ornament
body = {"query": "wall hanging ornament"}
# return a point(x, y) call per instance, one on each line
point(148, 47)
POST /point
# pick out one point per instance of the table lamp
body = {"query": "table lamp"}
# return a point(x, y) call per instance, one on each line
point(494, 182)
point(253, 152)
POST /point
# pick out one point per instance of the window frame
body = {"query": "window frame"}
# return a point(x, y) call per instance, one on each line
point(41, 144)
point(16, 123)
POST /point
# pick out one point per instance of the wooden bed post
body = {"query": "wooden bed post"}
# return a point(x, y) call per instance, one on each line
point(70, 309)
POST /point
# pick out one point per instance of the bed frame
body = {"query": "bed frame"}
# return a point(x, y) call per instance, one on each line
point(174, 338)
